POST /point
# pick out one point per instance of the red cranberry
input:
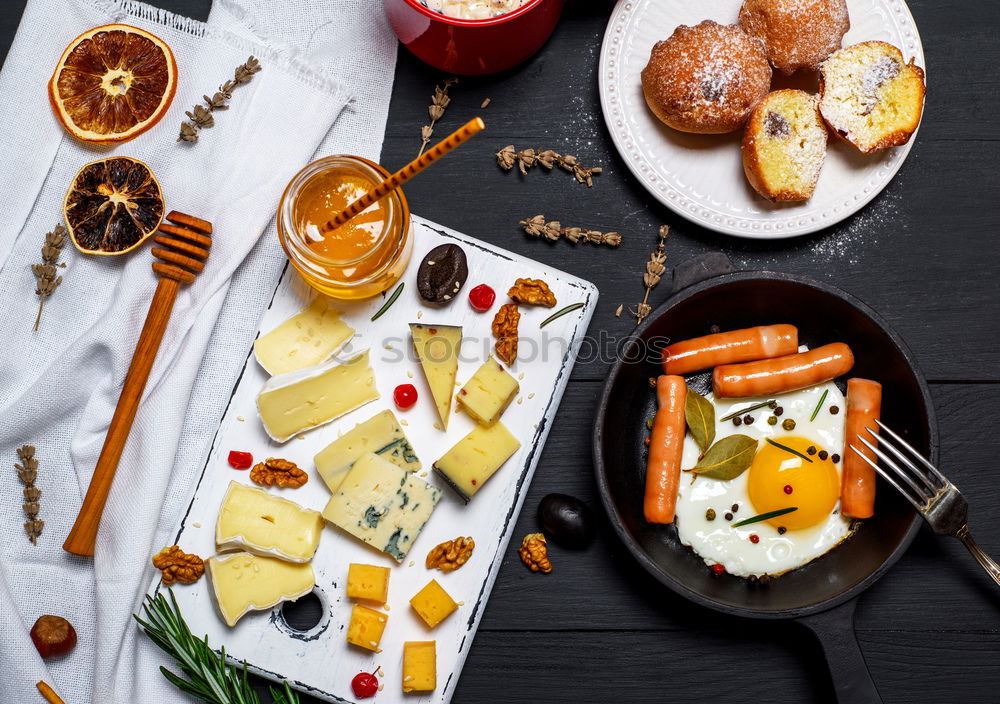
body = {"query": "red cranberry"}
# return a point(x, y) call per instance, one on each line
point(405, 395)
point(482, 297)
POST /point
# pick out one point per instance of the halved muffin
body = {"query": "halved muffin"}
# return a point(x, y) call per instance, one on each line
point(870, 97)
point(784, 145)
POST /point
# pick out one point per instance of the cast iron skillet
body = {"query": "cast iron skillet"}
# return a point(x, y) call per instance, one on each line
point(823, 314)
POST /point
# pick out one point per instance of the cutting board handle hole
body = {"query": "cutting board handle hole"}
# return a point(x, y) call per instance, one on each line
point(303, 614)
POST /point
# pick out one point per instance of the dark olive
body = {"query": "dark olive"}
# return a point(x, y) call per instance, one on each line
point(442, 273)
point(567, 520)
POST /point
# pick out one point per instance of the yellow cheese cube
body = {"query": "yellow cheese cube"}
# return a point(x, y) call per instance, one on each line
point(366, 627)
point(488, 393)
point(475, 458)
point(368, 582)
point(419, 666)
point(433, 604)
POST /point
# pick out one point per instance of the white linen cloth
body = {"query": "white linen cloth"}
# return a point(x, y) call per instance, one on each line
point(59, 386)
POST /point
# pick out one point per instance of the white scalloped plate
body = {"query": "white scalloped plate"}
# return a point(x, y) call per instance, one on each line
point(701, 176)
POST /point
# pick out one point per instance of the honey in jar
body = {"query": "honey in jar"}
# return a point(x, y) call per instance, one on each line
point(364, 256)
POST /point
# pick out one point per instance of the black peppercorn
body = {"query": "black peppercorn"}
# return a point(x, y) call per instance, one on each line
point(734, 508)
point(715, 329)
point(737, 421)
point(834, 410)
point(752, 579)
point(764, 580)
point(781, 530)
point(810, 450)
point(748, 419)
point(772, 420)
point(772, 403)
point(823, 454)
point(835, 458)
point(729, 516)
point(710, 514)
point(778, 411)
point(788, 424)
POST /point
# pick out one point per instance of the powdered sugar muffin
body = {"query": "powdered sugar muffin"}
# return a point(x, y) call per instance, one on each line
point(784, 146)
point(796, 33)
point(706, 78)
point(870, 97)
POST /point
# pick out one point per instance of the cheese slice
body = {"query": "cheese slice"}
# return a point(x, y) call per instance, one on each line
point(289, 404)
point(437, 347)
point(382, 505)
point(243, 582)
point(488, 393)
point(381, 434)
point(253, 520)
point(307, 338)
point(476, 457)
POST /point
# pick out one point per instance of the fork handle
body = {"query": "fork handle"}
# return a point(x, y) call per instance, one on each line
point(987, 563)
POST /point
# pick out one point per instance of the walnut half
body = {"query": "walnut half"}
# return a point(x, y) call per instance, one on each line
point(278, 472)
point(178, 566)
point(534, 553)
point(505, 331)
point(451, 554)
point(533, 292)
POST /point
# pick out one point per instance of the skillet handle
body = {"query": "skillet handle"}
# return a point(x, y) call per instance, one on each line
point(834, 629)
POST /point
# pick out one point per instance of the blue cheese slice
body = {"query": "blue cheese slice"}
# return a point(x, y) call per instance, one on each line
point(307, 338)
point(289, 404)
point(253, 520)
point(382, 505)
point(381, 434)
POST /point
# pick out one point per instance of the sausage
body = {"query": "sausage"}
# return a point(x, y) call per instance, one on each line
point(663, 468)
point(747, 345)
point(788, 373)
point(857, 484)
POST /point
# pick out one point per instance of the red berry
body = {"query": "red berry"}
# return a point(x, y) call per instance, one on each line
point(405, 396)
point(240, 460)
point(754, 538)
point(718, 569)
point(481, 297)
point(364, 684)
point(788, 488)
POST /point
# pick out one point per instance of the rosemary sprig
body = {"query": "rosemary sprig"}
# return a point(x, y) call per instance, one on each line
point(526, 158)
point(560, 313)
point(27, 472)
point(765, 516)
point(389, 302)
point(439, 103)
point(789, 450)
point(819, 405)
point(208, 676)
point(553, 230)
point(45, 273)
point(200, 116)
point(770, 404)
point(654, 270)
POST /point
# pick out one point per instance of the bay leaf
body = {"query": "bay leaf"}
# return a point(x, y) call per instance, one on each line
point(726, 459)
point(699, 413)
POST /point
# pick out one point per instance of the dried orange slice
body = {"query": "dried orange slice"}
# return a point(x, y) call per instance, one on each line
point(113, 83)
point(112, 206)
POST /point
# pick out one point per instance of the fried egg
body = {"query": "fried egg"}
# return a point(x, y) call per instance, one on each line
point(777, 479)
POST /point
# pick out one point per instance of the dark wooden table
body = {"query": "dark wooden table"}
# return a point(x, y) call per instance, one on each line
point(924, 254)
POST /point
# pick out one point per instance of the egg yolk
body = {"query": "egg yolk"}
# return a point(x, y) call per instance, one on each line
point(780, 479)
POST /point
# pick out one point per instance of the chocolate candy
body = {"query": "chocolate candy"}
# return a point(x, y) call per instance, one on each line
point(442, 274)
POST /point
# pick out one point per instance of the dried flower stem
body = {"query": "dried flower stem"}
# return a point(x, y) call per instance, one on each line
point(27, 472)
point(439, 103)
point(538, 227)
point(200, 116)
point(45, 273)
point(654, 270)
point(526, 158)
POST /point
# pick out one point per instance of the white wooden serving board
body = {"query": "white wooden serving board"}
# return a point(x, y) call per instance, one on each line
point(319, 661)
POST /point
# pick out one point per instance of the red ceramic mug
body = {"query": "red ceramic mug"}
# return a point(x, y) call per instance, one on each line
point(473, 47)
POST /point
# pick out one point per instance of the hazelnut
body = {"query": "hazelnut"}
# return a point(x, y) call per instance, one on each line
point(53, 636)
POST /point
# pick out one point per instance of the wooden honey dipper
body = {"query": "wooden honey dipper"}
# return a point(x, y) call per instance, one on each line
point(189, 240)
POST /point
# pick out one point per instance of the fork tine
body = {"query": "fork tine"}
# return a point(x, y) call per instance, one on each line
point(900, 473)
point(885, 475)
point(931, 468)
point(929, 487)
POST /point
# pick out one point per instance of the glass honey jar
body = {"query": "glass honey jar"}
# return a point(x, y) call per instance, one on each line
point(364, 256)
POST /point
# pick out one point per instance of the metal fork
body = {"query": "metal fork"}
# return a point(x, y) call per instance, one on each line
point(936, 499)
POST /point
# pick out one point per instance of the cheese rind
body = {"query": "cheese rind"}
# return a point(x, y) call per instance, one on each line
point(382, 505)
point(307, 338)
point(437, 347)
point(368, 582)
point(292, 403)
point(476, 457)
point(488, 393)
point(251, 519)
point(381, 434)
point(366, 628)
point(419, 666)
point(243, 582)
point(433, 604)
